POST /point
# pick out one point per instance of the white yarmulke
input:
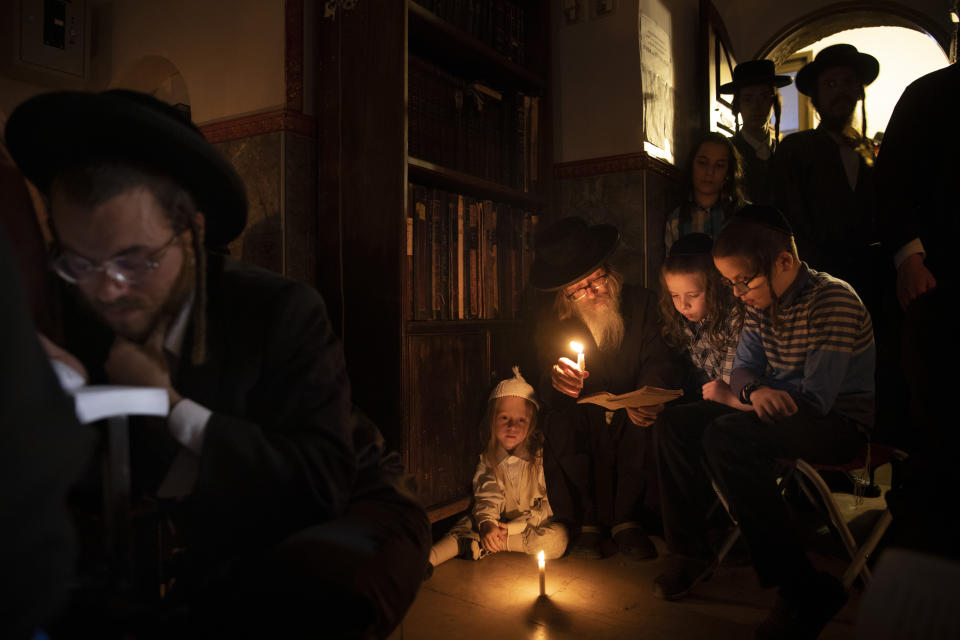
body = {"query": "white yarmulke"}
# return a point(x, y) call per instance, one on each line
point(515, 386)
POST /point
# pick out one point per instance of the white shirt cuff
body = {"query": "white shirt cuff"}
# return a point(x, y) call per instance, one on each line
point(187, 423)
point(907, 250)
point(516, 526)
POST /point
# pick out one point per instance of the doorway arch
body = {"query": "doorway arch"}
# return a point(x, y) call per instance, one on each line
point(819, 24)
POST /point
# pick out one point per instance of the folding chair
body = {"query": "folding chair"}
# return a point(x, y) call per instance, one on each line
point(820, 495)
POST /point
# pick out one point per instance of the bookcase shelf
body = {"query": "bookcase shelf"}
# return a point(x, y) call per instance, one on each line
point(416, 327)
point(435, 175)
point(436, 38)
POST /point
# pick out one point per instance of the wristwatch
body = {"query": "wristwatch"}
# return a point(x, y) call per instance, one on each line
point(747, 390)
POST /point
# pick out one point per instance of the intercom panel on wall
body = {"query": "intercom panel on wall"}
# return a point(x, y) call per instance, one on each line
point(53, 35)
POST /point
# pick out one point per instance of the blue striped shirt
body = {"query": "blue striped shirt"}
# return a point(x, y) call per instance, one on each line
point(822, 352)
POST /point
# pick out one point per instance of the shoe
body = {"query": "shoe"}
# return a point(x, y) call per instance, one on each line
point(803, 617)
point(634, 544)
point(587, 545)
point(683, 574)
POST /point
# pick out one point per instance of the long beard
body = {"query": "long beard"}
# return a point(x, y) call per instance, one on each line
point(604, 322)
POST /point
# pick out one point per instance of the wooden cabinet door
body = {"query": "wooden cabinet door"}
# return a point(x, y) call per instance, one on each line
point(448, 378)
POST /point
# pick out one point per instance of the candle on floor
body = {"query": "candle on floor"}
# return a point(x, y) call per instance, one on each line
point(543, 573)
point(576, 346)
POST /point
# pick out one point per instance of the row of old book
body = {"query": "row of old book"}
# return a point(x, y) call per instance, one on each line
point(472, 127)
point(466, 258)
point(499, 24)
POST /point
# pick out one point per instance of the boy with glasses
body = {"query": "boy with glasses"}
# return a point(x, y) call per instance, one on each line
point(805, 362)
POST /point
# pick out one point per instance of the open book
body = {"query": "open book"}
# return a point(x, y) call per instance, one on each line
point(99, 401)
point(642, 397)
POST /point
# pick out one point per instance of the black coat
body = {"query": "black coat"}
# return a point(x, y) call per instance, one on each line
point(278, 452)
point(918, 168)
point(43, 451)
point(834, 225)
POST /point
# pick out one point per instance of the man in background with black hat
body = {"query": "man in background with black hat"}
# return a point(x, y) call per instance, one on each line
point(597, 461)
point(287, 505)
point(822, 179)
point(755, 88)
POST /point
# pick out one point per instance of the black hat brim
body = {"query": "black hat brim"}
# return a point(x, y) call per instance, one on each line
point(777, 81)
point(602, 241)
point(55, 131)
point(866, 66)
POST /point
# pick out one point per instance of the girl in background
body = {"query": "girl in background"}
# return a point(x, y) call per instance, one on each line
point(510, 511)
point(714, 192)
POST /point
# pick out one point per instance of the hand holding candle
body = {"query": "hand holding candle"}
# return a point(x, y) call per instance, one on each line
point(543, 573)
point(567, 377)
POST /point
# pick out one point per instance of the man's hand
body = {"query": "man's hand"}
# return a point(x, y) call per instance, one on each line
point(140, 365)
point(913, 279)
point(55, 352)
point(493, 536)
point(567, 378)
point(772, 404)
point(644, 416)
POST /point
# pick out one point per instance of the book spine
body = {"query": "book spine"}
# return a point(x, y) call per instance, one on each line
point(408, 275)
point(461, 252)
point(421, 270)
point(473, 259)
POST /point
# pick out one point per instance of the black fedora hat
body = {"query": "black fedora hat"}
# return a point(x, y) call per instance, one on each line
point(55, 131)
point(838, 55)
point(754, 72)
point(568, 250)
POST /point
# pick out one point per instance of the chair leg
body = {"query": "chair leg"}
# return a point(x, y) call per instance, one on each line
point(809, 474)
point(859, 562)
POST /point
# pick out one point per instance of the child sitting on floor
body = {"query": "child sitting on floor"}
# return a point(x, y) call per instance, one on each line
point(510, 511)
point(701, 317)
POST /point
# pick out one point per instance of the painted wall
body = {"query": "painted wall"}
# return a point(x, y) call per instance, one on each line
point(598, 95)
point(230, 54)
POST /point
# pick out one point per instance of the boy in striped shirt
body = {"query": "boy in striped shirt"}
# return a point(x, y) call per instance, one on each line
point(805, 363)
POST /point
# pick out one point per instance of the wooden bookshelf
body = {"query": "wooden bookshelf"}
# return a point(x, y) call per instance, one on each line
point(436, 38)
point(434, 175)
point(424, 382)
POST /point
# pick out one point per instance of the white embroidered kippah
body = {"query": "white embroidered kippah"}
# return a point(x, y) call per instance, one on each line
point(515, 386)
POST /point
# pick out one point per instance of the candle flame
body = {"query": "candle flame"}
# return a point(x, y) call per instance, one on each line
point(576, 346)
point(540, 561)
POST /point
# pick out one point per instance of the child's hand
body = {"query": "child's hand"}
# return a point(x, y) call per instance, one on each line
point(718, 391)
point(644, 416)
point(493, 536)
point(567, 378)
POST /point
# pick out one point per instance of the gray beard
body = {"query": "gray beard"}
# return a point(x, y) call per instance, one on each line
point(605, 324)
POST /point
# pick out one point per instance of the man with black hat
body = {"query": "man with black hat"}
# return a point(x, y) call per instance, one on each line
point(755, 95)
point(287, 505)
point(805, 362)
point(596, 461)
point(822, 179)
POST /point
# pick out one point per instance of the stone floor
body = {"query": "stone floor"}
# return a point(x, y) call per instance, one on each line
point(497, 597)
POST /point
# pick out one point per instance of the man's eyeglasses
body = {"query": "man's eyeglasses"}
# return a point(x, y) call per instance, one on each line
point(597, 285)
point(125, 269)
point(741, 287)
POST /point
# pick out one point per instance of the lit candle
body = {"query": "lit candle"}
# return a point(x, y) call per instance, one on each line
point(543, 573)
point(576, 346)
